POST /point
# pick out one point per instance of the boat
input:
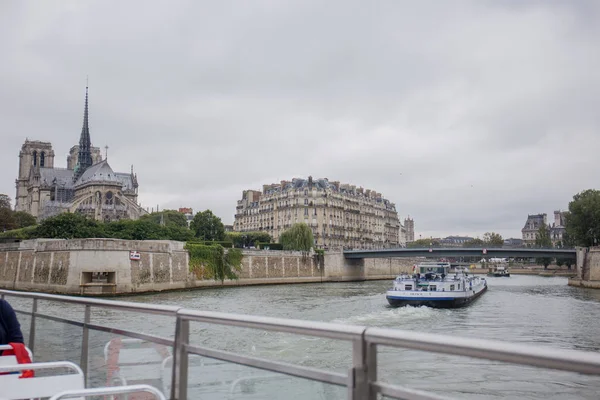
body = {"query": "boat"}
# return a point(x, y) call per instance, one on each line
point(499, 271)
point(435, 285)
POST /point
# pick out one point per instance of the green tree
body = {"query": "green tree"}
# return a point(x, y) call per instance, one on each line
point(24, 219)
point(299, 237)
point(68, 226)
point(583, 219)
point(168, 217)
point(5, 201)
point(7, 220)
point(474, 243)
point(493, 239)
point(543, 240)
point(208, 226)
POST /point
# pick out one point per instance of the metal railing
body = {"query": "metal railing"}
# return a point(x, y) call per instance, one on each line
point(361, 380)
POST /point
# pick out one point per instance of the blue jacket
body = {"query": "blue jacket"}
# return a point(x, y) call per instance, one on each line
point(10, 329)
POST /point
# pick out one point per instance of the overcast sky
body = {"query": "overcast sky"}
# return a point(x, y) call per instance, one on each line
point(468, 115)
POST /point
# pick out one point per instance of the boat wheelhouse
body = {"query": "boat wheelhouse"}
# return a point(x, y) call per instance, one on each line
point(436, 285)
point(499, 271)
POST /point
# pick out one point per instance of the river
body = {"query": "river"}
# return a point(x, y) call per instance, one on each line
point(532, 310)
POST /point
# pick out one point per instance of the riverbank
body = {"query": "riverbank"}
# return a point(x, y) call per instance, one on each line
point(108, 267)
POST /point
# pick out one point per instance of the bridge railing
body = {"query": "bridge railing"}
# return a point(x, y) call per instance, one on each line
point(361, 379)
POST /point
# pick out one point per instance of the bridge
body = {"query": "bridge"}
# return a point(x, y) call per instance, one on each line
point(456, 252)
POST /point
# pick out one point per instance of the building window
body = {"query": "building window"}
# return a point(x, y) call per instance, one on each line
point(42, 159)
point(34, 158)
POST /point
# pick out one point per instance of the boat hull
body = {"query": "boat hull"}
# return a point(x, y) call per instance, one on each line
point(440, 302)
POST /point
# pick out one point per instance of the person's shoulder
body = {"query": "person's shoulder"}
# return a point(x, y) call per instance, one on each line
point(4, 305)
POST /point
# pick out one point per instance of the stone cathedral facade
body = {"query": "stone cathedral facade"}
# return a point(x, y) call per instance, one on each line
point(88, 185)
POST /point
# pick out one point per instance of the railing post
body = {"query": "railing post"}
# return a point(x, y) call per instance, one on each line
point(358, 383)
point(85, 343)
point(179, 379)
point(32, 326)
point(371, 361)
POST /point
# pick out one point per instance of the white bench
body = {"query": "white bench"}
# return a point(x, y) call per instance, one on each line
point(70, 394)
point(11, 360)
point(40, 386)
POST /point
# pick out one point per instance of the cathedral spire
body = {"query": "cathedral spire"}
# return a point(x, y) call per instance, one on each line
point(84, 156)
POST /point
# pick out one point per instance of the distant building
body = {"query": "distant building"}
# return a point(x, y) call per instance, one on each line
point(513, 242)
point(409, 227)
point(532, 225)
point(455, 241)
point(340, 215)
point(189, 214)
point(534, 222)
point(228, 228)
point(558, 229)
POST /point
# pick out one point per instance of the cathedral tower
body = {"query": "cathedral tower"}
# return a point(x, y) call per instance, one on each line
point(33, 156)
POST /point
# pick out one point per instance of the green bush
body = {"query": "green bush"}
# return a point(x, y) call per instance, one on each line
point(20, 234)
point(246, 239)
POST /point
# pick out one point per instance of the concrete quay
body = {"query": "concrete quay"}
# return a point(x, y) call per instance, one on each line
point(113, 266)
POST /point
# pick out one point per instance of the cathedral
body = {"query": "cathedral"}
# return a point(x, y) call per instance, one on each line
point(87, 186)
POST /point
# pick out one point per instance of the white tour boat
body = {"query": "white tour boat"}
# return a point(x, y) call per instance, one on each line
point(433, 285)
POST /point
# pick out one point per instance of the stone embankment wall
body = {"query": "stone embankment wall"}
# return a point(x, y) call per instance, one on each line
point(588, 268)
point(74, 266)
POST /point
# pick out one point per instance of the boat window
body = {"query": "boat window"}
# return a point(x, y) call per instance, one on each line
point(407, 287)
point(433, 288)
point(451, 287)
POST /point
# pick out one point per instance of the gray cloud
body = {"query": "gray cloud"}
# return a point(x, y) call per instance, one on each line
point(468, 115)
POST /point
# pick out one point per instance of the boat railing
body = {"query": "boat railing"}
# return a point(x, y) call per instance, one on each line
point(361, 380)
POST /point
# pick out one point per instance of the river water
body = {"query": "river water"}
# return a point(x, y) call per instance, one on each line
point(521, 309)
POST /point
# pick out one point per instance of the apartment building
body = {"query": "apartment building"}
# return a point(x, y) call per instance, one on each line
point(340, 215)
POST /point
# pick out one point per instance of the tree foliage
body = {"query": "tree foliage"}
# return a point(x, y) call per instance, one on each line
point(543, 240)
point(5, 201)
point(474, 243)
point(422, 243)
point(208, 226)
point(583, 219)
point(212, 262)
point(68, 226)
point(74, 226)
point(246, 239)
point(7, 219)
point(493, 239)
point(168, 217)
point(299, 237)
point(24, 219)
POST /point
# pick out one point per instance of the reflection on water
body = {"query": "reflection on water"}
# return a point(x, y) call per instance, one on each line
point(520, 309)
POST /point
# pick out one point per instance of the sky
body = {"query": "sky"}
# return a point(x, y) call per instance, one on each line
point(468, 115)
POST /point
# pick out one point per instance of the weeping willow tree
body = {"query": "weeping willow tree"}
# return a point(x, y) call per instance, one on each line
point(299, 237)
point(213, 262)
